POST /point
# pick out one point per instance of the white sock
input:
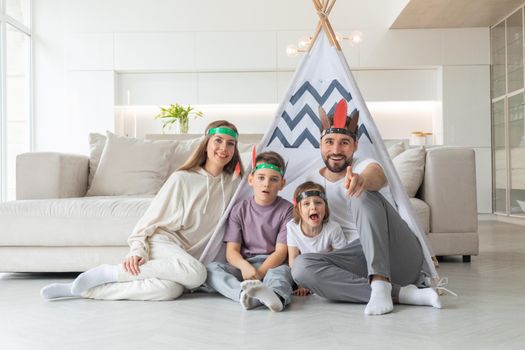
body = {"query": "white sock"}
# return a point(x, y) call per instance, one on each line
point(380, 299)
point(94, 277)
point(257, 290)
point(412, 295)
point(57, 290)
point(248, 302)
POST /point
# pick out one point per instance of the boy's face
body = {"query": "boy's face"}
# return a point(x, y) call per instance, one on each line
point(266, 185)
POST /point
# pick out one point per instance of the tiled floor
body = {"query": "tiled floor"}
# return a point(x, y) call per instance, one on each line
point(489, 313)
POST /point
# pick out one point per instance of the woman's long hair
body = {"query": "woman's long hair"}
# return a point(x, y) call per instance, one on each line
point(199, 156)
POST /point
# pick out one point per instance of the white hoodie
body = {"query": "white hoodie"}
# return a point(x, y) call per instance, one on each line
point(186, 209)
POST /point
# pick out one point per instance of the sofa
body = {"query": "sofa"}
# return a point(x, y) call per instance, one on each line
point(56, 225)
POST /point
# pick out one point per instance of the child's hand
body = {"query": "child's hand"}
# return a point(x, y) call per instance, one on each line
point(250, 273)
point(260, 274)
point(302, 292)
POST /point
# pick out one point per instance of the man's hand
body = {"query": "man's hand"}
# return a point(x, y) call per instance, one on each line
point(132, 264)
point(250, 273)
point(355, 184)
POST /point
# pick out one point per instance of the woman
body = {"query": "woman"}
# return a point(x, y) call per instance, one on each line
point(169, 238)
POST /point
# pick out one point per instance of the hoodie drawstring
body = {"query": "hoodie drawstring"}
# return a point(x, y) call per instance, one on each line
point(207, 194)
point(223, 194)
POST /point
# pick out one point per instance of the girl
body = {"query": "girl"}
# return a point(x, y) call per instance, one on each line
point(169, 238)
point(310, 231)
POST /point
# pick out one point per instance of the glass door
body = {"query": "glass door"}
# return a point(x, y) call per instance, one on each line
point(499, 155)
point(516, 132)
point(508, 127)
point(16, 125)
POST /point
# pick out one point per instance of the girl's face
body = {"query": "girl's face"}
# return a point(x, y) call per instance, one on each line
point(312, 210)
point(220, 150)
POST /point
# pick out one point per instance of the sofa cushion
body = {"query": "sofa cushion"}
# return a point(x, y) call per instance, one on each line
point(422, 213)
point(396, 149)
point(131, 166)
point(410, 166)
point(96, 146)
point(87, 221)
point(182, 150)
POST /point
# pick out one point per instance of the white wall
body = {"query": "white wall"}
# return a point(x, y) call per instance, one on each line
point(88, 54)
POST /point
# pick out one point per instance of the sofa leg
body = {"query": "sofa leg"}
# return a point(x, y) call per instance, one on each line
point(466, 258)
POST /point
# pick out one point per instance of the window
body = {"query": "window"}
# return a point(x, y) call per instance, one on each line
point(16, 90)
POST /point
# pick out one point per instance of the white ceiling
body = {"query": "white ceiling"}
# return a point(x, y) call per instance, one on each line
point(454, 13)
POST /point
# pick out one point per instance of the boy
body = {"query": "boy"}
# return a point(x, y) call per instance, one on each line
point(256, 250)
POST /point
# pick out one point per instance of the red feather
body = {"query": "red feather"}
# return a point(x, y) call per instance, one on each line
point(340, 114)
point(238, 169)
point(254, 156)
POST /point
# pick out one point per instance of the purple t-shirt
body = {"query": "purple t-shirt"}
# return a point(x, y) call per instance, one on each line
point(258, 228)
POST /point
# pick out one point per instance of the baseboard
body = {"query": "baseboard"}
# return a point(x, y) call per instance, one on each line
point(507, 219)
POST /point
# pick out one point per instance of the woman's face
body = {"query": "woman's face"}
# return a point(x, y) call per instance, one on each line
point(220, 150)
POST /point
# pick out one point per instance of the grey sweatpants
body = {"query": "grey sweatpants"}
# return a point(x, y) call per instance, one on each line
point(386, 247)
point(226, 279)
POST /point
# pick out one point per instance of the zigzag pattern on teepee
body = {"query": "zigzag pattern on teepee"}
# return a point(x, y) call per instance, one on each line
point(307, 87)
point(292, 123)
point(305, 135)
point(307, 110)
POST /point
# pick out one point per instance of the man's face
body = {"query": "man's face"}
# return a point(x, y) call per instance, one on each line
point(337, 151)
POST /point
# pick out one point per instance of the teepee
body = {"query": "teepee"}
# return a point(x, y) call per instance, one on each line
point(323, 78)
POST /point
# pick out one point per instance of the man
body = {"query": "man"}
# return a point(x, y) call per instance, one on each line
point(384, 258)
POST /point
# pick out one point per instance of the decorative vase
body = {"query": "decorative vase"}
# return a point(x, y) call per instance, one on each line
point(183, 125)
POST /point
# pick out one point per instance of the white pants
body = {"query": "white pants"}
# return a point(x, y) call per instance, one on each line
point(169, 271)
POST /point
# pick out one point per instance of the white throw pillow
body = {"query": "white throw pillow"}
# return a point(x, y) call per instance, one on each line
point(96, 146)
point(396, 149)
point(131, 166)
point(410, 166)
point(182, 150)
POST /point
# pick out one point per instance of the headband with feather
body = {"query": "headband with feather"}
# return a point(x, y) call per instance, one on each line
point(341, 123)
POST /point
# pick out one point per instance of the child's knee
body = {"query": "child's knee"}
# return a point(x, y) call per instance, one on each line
point(283, 270)
point(213, 266)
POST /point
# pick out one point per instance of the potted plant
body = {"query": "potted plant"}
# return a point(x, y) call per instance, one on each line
point(177, 113)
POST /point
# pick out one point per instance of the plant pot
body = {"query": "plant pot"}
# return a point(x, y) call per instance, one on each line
point(183, 126)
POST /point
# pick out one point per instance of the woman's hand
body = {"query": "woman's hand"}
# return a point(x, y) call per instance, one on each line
point(302, 292)
point(250, 273)
point(132, 264)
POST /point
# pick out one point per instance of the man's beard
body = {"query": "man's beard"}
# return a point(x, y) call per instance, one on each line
point(337, 169)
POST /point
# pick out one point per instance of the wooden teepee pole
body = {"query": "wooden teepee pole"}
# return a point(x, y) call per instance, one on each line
point(323, 10)
point(329, 25)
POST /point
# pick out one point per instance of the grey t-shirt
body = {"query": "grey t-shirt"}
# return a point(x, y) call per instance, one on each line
point(258, 228)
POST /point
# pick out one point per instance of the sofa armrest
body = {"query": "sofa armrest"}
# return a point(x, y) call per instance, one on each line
point(449, 188)
point(41, 175)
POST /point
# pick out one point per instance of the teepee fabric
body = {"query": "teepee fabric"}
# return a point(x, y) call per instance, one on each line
point(322, 79)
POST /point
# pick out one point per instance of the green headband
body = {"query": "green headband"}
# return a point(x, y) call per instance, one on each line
point(269, 166)
point(224, 131)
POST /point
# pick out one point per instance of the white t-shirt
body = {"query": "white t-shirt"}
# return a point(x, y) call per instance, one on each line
point(331, 237)
point(338, 199)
